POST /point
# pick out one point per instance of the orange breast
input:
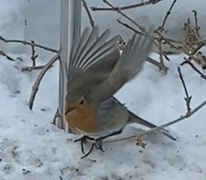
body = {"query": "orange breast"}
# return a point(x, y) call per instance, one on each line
point(81, 117)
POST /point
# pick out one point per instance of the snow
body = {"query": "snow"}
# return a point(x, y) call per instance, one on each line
point(32, 148)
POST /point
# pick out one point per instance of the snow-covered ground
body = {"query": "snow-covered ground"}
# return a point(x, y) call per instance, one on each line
point(32, 148)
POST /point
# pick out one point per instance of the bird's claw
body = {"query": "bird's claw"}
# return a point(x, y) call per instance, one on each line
point(83, 140)
point(97, 144)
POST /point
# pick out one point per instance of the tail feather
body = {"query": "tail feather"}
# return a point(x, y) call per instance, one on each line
point(139, 120)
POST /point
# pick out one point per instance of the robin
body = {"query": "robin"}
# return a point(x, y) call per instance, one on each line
point(96, 72)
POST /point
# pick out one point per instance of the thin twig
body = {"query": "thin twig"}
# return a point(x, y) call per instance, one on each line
point(2, 53)
point(130, 27)
point(187, 98)
point(158, 128)
point(161, 53)
point(167, 15)
point(127, 17)
point(199, 46)
point(141, 33)
point(150, 60)
point(56, 115)
point(160, 66)
point(187, 115)
point(38, 80)
point(33, 55)
point(31, 68)
point(28, 43)
point(197, 28)
point(126, 7)
point(88, 13)
point(192, 65)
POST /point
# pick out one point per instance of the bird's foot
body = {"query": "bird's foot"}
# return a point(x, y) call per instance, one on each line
point(83, 140)
point(98, 144)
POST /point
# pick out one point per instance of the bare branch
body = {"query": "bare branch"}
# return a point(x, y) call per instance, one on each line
point(127, 17)
point(187, 115)
point(28, 43)
point(33, 55)
point(56, 115)
point(167, 15)
point(159, 65)
point(161, 53)
point(88, 13)
point(31, 68)
point(192, 65)
point(126, 7)
point(197, 28)
point(130, 27)
point(38, 80)
point(2, 53)
point(187, 98)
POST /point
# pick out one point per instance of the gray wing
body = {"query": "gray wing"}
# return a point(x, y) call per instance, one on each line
point(92, 58)
point(129, 64)
point(90, 49)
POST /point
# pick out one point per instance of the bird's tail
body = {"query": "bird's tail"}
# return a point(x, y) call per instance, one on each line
point(139, 120)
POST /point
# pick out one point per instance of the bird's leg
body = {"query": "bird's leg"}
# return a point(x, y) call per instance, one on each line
point(98, 141)
point(92, 147)
point(83, 140)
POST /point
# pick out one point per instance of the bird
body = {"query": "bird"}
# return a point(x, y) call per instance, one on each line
point(95, 72)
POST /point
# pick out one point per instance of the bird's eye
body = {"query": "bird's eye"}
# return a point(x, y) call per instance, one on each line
point(82, 101)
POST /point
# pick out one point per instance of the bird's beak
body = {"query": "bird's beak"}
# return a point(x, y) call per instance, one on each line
point(70, 107)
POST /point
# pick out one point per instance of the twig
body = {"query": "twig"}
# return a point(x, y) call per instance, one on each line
point(197, 28)
point(161, 53)
point(39, 78)
point(187, 115)
point(88, 13)
point(56, 115)
point(31, 68)
point(187, 98)
point(192, 65)
point(123, 14)
point(141, 33)
point(33, 55)
point(126, 7)
point(2, 53)
point(150, 60)
point(167, 15)
point(159, 65)
point(28, 43)
point(199, 46)
point(130, 27)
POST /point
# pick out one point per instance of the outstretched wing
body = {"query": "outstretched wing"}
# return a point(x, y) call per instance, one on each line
point(129, 65)
point(92, 58)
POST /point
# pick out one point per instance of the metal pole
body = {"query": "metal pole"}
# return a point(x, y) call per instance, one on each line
point(70, 27)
